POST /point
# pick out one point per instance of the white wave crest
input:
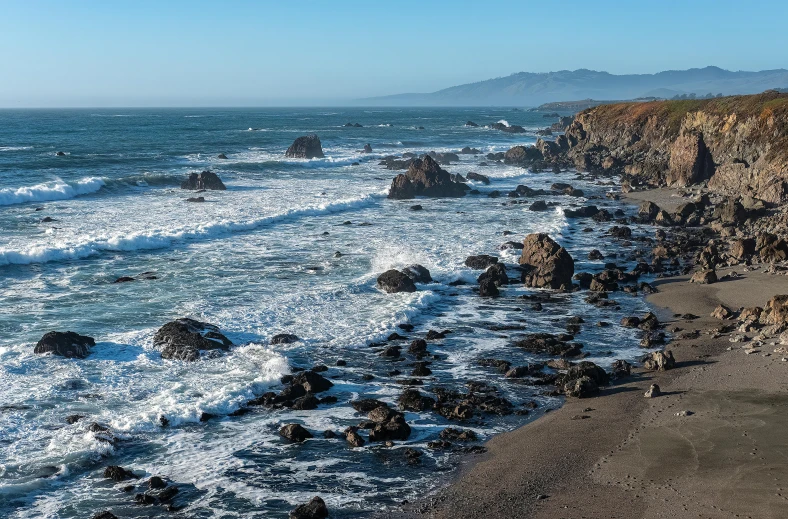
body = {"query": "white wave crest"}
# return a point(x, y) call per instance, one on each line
point(161, 239)
point(56, 190)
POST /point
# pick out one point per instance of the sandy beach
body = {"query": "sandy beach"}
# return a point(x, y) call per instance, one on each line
point(712, 445)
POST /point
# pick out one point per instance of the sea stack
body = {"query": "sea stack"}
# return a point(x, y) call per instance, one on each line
point(305, 147)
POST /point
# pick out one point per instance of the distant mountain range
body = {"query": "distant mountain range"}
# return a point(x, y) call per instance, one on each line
point(532, 89)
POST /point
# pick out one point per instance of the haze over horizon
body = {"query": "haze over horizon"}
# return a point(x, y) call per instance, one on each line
point(193, 54)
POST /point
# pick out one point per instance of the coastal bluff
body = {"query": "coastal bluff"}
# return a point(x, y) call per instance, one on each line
point(738, 144)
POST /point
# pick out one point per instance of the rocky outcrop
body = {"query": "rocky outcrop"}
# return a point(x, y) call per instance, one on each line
point(185, 338)
point(65, 344)
point(204, 180)
point(393, 281)
point(306, 147)
point(546, 264)
point(426, 178)
point(314, 509)
point(739, 144)
point(295, 433)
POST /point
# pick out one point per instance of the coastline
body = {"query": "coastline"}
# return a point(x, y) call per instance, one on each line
point(623, 455)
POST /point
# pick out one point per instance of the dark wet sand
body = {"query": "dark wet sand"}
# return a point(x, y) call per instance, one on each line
point(625, 456)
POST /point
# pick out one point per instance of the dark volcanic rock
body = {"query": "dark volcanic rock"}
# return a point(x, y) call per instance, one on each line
point(425, 178)
point(487, 288)
point(312, 382)
point(522, 156)
point(295, 433)
point(306, 147)
point(418, 274)
point(314, 509)
point(116, 473)
point(512, 128)
point(480, 262)
point(204, 180)
point(284, 338)
point(184, 338)
point(393, 281)
point(65, 344)
point(548, 264)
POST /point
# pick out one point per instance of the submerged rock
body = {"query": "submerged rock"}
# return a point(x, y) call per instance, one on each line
point(65, 344)
point(184, 338)
point(306, 147)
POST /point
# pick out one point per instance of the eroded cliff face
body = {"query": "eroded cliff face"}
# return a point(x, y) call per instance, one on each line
point(739, 144)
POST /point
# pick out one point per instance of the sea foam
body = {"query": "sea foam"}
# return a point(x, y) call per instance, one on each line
point(48, 191)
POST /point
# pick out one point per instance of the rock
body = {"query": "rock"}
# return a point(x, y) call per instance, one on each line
point(648, 210)
point(314, 509)
point(704, 277)
point(722, 312)
point(620, 369)
point(776, 311)
point(284, 338)
point(105, 515)
point(660, 361)
point(467, 150)
point(221, 156)
point(312, 382)
point(60, 154)
point(583, 387)
point(480, 262)
point(413, 400)
point(495, 273)
point(416, 207)
point(367, 148)
point(730, 212)
point(471, 124)
point(478, 178)
point(295, 433)
point(393, 281)
point(197, 199)
point(582, 212)
point(509, 245)
point(306, 147)
point(511, 128)
point(156, 482)
point(459, 435)
point(65, 344)
point(425, 178)
point(184, 338)
point(48, 219)
point(204, 180)
point(595, 255)
point(690, 162)
point(418, 274)
point(548, 264)
point(487, 288)
point(539, 205)
point(116, 473)
point(653, 391)
point(522, 156)
point(353, 437)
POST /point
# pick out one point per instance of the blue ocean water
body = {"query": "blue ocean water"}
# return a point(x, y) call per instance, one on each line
point(257, 260)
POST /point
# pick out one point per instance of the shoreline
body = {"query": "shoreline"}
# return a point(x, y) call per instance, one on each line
point(623, 455)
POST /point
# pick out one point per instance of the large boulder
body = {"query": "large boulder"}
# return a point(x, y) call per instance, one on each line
point(204, 180)
point(425, 178)
point(183, 339)
point(776, 311)
point(690, 161)
point(522, 156)
point(65, 344)
point(393, 281)
point(295, 433)
point(305, 147)
point(418, 273)
point(547, 264)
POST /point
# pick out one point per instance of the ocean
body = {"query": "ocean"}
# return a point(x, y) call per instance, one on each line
point(258, 259)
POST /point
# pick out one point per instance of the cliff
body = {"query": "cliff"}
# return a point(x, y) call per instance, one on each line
point(738, 144)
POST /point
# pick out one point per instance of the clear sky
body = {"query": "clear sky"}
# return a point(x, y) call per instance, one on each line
point(230, 53)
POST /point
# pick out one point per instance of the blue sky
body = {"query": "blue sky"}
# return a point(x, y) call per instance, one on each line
point(178, 53)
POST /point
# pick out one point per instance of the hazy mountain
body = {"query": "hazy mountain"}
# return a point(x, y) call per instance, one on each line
point(532, 89)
